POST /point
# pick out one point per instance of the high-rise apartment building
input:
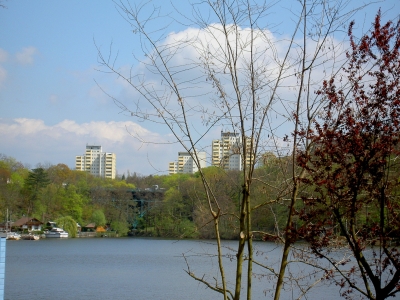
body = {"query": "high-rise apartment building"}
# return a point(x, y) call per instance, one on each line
point(186, 164)
point(173, 167)
point(226, 152)
point(97, 162)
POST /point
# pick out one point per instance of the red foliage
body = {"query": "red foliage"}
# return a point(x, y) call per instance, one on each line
point(353, 165)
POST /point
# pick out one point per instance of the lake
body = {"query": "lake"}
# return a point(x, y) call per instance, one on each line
point(130, 268)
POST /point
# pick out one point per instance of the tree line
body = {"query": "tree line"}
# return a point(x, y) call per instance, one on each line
point(177, 208)
point(54, 192)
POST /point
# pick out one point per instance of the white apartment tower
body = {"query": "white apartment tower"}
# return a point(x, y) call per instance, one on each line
point(186, 164)
point(226, 152)
point(97, 162)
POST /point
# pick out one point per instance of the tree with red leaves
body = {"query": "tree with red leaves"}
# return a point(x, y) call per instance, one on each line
point(353, 167)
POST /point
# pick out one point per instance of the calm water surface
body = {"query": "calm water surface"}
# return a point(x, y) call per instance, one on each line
point(125, 268)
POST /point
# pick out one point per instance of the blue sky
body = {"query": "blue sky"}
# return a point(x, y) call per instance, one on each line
point(50, 104)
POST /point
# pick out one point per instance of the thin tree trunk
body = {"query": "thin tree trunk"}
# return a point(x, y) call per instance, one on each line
point(221, 267)
point(241, 244)
point(249, 249)
point(287, 245)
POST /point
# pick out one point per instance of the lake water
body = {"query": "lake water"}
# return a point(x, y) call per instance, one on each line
point(128, 268)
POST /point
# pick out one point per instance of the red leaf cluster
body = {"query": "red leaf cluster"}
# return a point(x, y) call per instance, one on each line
point(352, 188)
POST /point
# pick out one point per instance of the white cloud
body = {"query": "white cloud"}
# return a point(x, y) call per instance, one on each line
point(25, 56)
point(32, 141)
point(208, 45)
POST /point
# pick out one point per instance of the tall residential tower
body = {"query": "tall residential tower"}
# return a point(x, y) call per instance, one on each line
point(96, 162)
point(186, 163)
point(227, 152)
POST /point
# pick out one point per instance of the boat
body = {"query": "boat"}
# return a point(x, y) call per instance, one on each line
point(31, 237)
point(56, 232)
point(13, 236)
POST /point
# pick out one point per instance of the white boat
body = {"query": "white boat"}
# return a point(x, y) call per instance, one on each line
point(31, 237)
point(56, 233)
point(13, 236)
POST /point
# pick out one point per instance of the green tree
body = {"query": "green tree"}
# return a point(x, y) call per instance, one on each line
point(12, 177)
point(59, 174)
point(68, 224)
point(73, 202)
point(99, 218)
point(50, 204)
point(36, 181)
point(121, 227)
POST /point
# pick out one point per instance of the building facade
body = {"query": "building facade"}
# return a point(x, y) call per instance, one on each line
point(173, 167)
point(226, 152)
point(97, 162)
point(186, 164)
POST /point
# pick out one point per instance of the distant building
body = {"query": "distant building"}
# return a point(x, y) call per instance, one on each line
point(227, 152)
point(97, 162)
point(186, 164)
point(173, 167)
point(27, 223)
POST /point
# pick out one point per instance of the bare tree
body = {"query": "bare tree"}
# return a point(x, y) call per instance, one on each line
point(235, 69)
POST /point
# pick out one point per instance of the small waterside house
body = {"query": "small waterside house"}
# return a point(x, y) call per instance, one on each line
point(89, 227)
point(27, 223)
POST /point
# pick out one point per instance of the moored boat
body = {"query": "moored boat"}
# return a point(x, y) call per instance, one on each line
point(56, 232)
point(31, 237)
point(13, 236)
